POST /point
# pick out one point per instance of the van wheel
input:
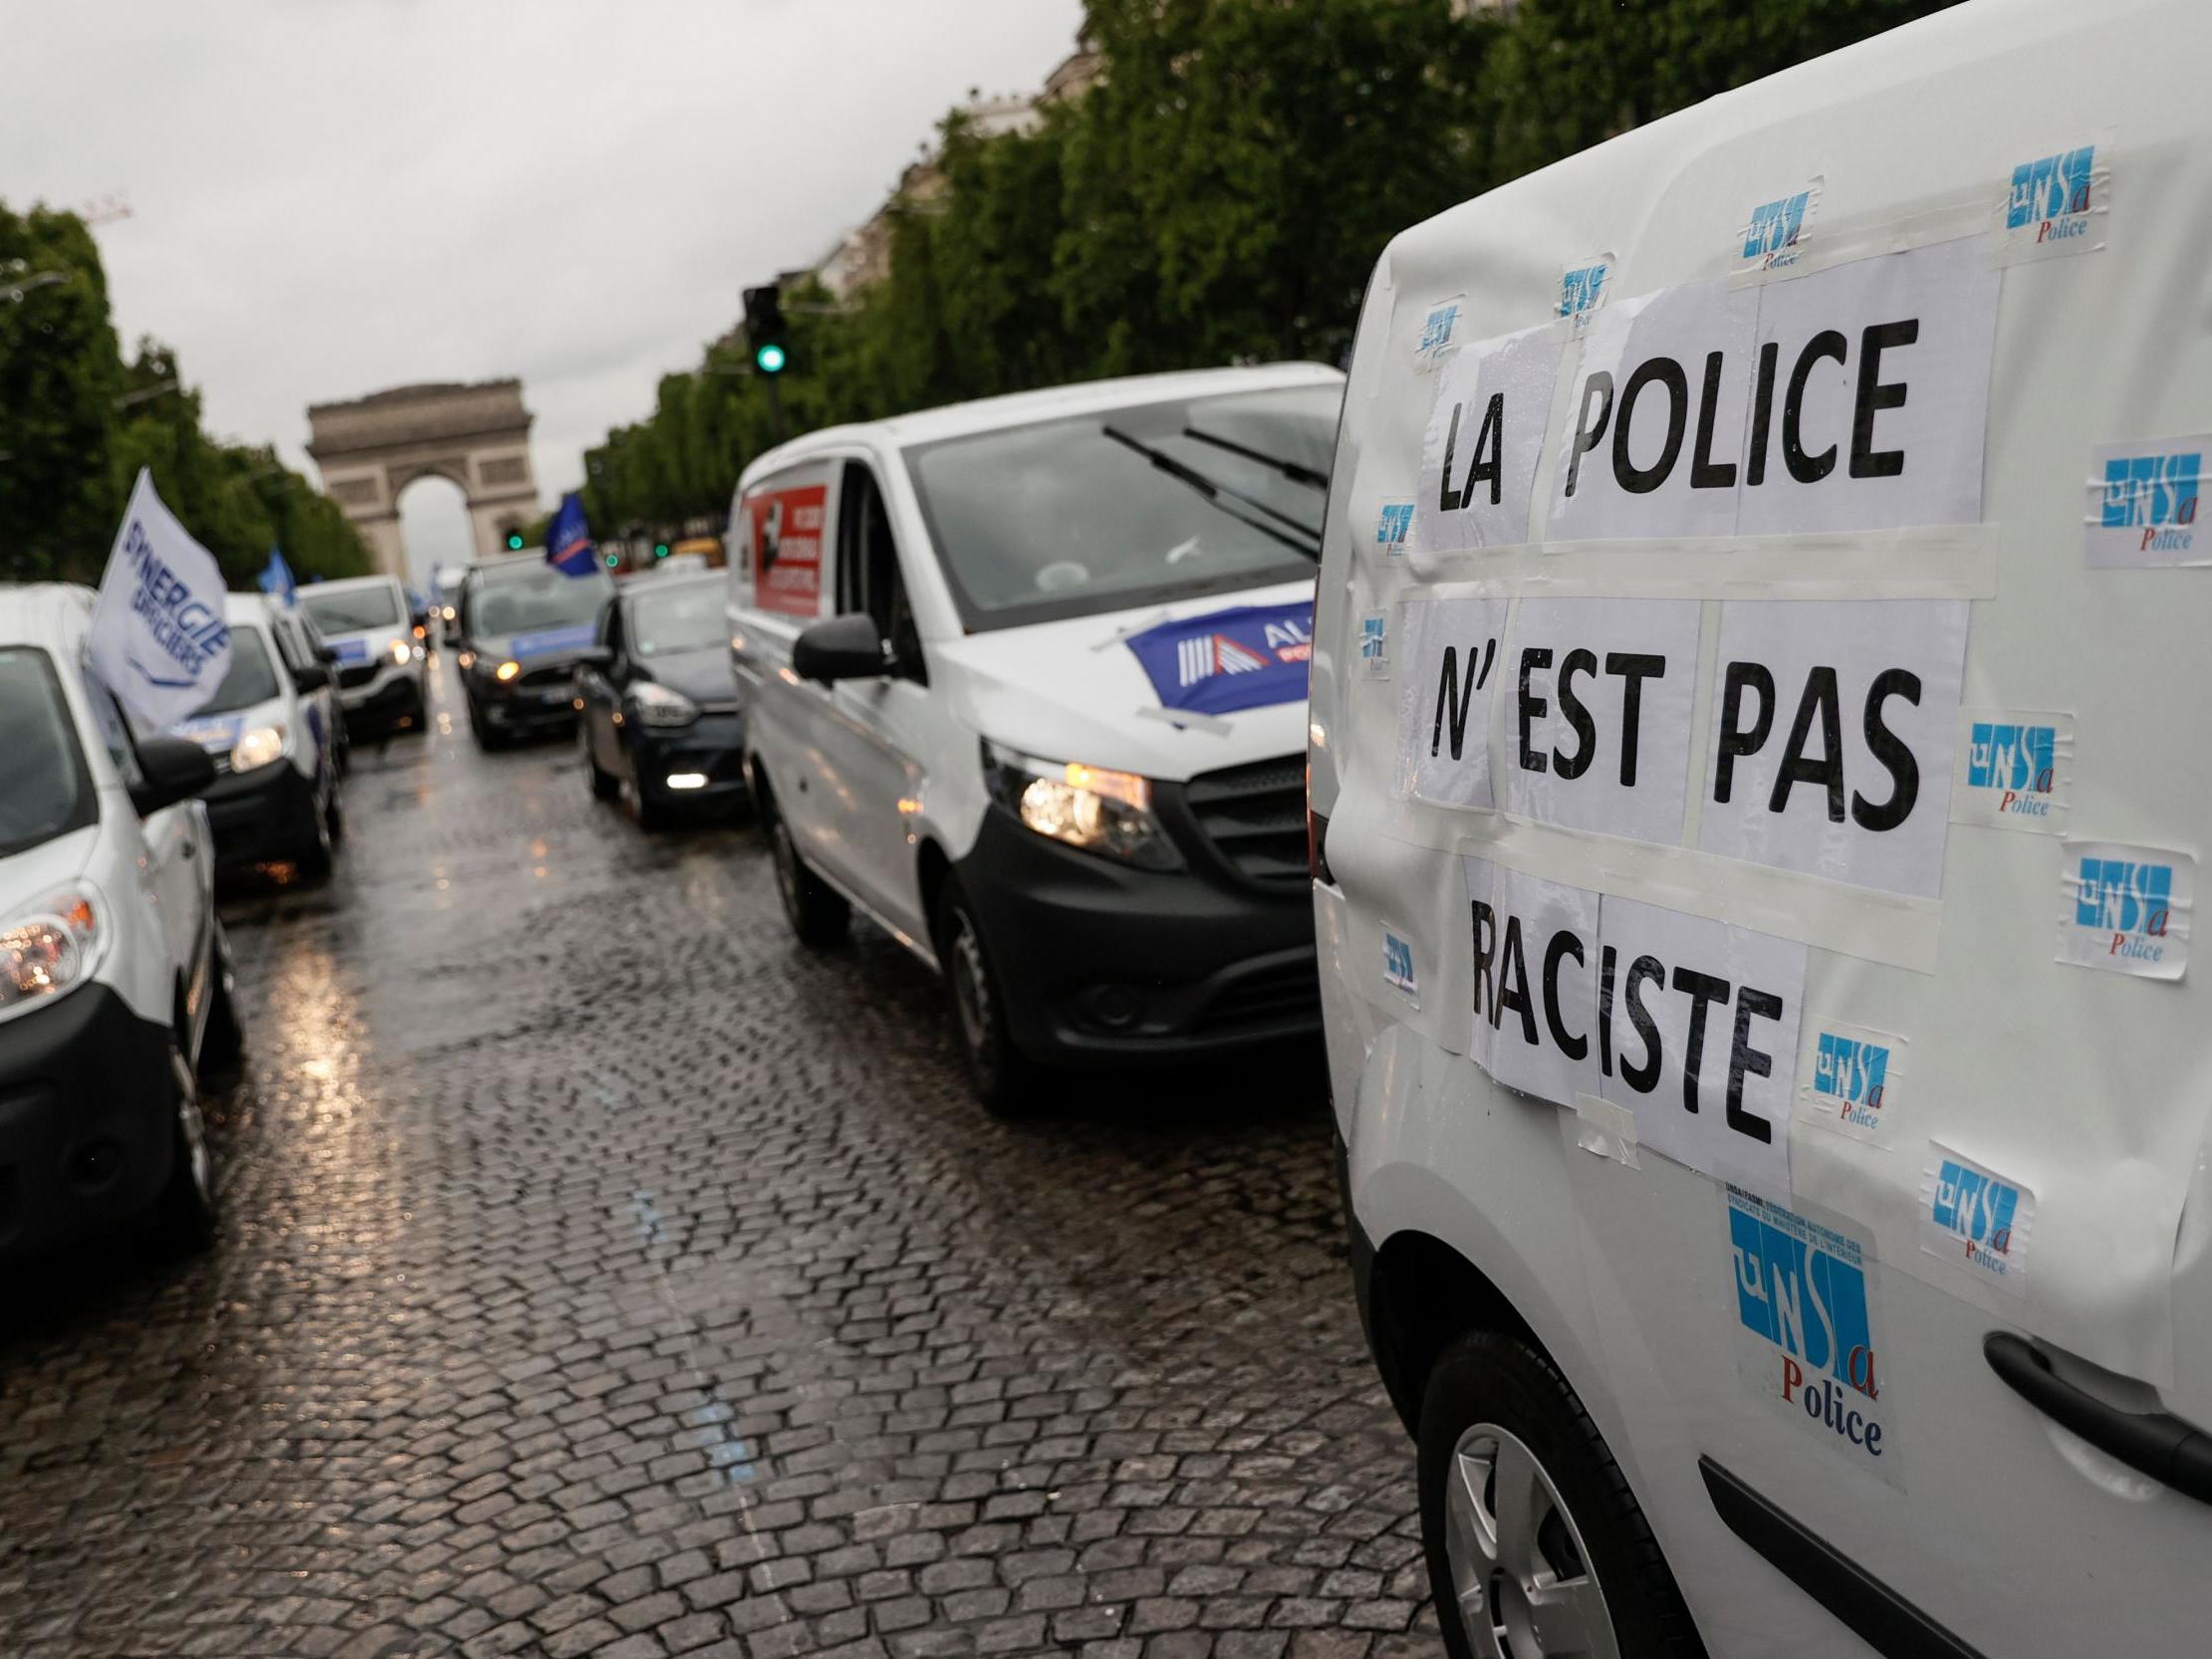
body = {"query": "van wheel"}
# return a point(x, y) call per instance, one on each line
point(818, 913)
point(1534, 1544)
point(604, 785)
point(333, 814)
point(223, 1038)
point(187, 1212)
point(1003, 1077)
point(315, 858)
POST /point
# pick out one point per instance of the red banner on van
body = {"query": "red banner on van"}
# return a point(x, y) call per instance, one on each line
point(783, 547)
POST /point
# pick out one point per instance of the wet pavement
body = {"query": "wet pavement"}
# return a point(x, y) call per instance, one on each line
point(603, 1274)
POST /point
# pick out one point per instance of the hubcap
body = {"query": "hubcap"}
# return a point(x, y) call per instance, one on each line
point(191, 1123)
point(971, 991)
point(1520, 1573)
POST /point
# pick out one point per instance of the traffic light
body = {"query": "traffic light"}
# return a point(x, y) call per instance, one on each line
point(660, 550)
point(614, 561)
point(514, 540)
point(764, 328)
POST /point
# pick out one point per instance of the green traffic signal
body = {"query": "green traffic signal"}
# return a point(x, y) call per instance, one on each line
point(769, 359)
point(514, 540)
point(660, 550)
point(612, 560)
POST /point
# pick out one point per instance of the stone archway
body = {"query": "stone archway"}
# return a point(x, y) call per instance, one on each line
point(477, 436)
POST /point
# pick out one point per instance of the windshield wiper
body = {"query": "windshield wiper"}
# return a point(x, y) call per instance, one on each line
point(1296, 472)
point(1307, 541)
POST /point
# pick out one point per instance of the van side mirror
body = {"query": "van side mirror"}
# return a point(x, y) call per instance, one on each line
point(845, 648)
point(316, 677)
point(172, 769)
point(329, 654)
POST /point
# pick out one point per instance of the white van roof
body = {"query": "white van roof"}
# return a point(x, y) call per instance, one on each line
point(43, 613)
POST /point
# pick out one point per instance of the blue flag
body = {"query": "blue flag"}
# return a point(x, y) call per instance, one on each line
point(276, 579)
point(569, 546)
point(1227, 660)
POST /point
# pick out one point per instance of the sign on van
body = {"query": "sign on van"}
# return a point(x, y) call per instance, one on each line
point(784, 548)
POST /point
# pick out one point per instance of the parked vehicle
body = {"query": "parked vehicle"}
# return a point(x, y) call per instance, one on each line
point(381, 683)
point(658, 721)
point(1024, 680)
point(1754, 803)
point(525, 626)
point(276, 795)
point(114, 978)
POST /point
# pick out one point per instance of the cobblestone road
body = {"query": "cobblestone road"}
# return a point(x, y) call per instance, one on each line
point(605, 1276)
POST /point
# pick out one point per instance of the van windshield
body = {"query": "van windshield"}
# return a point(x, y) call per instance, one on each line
point(352, 609)
point(250, 677)
point(49, 791)
point(1125, 507)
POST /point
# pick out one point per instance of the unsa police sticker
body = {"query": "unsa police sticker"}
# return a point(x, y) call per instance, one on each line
point(2125, 909)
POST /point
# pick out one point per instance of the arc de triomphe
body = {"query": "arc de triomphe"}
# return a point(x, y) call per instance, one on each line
point(478, 436)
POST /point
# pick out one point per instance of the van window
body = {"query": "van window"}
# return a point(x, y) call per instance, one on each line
point(250, 676)
point(1129, 507)
point(352, 609)
point(869, 577)
point(49, 791)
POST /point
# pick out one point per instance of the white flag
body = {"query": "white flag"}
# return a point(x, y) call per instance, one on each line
point(158, 638)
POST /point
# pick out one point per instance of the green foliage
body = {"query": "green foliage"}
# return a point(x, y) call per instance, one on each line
point(77, 422)
point(1220, 196)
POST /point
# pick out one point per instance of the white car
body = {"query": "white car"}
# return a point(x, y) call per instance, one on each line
point(381, 666)
point(268, 728)
point(1756, 800)
point(1024, 680)
point(115, 979)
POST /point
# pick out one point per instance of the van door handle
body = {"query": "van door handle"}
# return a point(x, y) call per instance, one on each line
point(2154, 1442)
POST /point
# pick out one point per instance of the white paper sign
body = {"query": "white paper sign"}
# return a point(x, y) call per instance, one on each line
point(2142, 504)
point(1853, 399)
point(1834, 725)
point(2015, 770)
point(1598, 730)
point(1449, 679)
point(1485, 436)
point(1688, 1024)
point(1852, 1079)
point(1976, 1219)
point(158, 638)
point(2126, 908)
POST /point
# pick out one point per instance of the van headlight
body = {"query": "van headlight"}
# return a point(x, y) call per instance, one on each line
point(656, 705)
point(51, 947)
point(257, 748)
point(402, 653)
point(1100, 810)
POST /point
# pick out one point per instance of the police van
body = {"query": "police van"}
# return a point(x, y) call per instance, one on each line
point(1024, 682)
point(1759, 709)
point(382, 671)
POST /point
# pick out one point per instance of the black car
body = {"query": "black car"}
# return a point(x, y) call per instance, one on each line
point(524, 626)
point(659, 701)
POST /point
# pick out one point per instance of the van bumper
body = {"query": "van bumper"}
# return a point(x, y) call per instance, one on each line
point(394, 703)
point(262, 816)
point(1100, 961)
point(86, 1131)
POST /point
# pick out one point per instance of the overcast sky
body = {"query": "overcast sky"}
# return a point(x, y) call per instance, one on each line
point(331, 197)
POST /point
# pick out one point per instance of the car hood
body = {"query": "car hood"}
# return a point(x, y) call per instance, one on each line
point(28, 876)
point(1075, 691)
point(703, 676)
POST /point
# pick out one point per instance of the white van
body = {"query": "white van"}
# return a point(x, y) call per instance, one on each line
point(276, 797)
point(381, 665)
point(1757, 803)
point(115, 979)
point(1025, 680)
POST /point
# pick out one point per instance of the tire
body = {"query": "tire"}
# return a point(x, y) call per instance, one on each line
point(486, 739)
point(604, 785)
point(316, 854)
point(333, 814)
point(817, 911)
point(1005, 1079)
point(223, 1038)
point(187, 1214)
point(1494, 1409)
point(653, 814)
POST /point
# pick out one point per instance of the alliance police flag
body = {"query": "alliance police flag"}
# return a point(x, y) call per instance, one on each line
point(158, 638)
point(569, 546)
point(1226, 660)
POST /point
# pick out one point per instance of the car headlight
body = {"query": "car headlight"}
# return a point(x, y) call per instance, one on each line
point(1102, 812)
point(257, 748)
point(51, 947)
point(401, 652)
point(656, 705)
point(507, 670)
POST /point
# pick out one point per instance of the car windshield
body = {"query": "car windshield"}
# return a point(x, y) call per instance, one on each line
point(681, 619)
point(1130, 506)
point(351, 610)
point(48, 792)
point(250, 678)
point(543, 600)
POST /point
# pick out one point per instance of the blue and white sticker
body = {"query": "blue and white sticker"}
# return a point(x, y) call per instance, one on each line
point(2014, 770)
point(1583, 288)
point(2142, 504)
point(1374, 645)
point(352, 650)
point(2125, 909)
point(1398, 971)
point(1393, 527)
point(1976, 1219)
point(1774, 237)
point(216, 733)
point(2055, 204)
point(1439, 331)
point(1851, 1079)
point(1806, 1340)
